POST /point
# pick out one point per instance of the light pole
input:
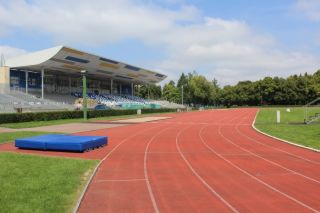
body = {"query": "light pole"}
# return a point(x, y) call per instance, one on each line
point(84, 93)
point(182, 94)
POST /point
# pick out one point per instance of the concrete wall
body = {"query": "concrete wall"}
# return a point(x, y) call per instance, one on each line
point(4, 79)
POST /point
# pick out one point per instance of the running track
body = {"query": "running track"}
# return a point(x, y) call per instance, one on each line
point(209, 161)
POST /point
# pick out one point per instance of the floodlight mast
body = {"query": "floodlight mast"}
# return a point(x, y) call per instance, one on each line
point(182, 94)
point(84, 93)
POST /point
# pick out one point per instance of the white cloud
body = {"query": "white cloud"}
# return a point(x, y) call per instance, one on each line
point(311, 8)
point(9, 52)
point(317, 39)
point(93, 22)
point(229, 50)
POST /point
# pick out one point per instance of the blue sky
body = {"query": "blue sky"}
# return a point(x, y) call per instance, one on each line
point(229, 40)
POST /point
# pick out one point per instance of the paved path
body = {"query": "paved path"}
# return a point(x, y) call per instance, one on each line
point(72, 127)
point(3, 129)
point(140, 120)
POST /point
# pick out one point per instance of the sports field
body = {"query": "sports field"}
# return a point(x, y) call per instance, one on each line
point(291, 126)
point(208, 161)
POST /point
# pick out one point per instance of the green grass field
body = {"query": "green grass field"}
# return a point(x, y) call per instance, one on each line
point(41, 184)
point(65, 121)
point(291, 127)
point(11, 136)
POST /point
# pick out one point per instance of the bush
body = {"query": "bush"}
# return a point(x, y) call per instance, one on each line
point(146, 111)
point(46, 116)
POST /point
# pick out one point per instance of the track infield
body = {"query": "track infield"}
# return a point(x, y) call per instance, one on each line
point(208, 161)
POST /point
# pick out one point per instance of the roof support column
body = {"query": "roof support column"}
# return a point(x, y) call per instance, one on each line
point(120, 89)
point(111, 86)
point(42, 83)
point(27, 78)
point(69, 85)
point(132, 88)
point(99, 87)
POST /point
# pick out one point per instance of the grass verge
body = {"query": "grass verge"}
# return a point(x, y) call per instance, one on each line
point(291, 127)
point(41, 184)
point(11, 136)
point(39, 123)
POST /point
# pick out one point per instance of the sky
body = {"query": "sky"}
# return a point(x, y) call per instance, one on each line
point(230, 40)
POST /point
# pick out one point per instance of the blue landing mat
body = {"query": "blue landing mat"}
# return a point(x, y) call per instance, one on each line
point(60, 142)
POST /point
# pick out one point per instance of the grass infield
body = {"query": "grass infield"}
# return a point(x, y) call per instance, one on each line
point(291, 127)
point(41, 184)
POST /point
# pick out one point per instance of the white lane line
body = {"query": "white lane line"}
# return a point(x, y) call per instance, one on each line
point(196, 152)
point(269, 161)
point(153, 200)
point(281, 150)
point(76, 208)
point(196, 124)
point(253, 177)
point(200, 178)
point(120, 180)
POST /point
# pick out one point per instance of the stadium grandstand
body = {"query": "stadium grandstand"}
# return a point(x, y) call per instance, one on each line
point(50, 79)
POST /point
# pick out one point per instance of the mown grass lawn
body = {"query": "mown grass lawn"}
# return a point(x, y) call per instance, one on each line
point(291, 127)
point(11, 136)
point(31, 124)
point(41, 184)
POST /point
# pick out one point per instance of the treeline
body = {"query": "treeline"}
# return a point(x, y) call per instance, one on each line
point(197, 90)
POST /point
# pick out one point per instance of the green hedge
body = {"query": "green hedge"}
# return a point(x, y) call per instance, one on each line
point(145, 111)
point(46, 116)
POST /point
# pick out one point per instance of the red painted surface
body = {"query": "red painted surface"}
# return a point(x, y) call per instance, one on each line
point(209, 161)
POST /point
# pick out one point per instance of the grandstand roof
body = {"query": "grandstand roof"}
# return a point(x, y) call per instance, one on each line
point(69, 60)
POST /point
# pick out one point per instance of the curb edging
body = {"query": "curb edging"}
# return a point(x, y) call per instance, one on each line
point(76, 208)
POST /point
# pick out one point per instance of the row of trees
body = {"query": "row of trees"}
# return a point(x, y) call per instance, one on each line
point(294, 90)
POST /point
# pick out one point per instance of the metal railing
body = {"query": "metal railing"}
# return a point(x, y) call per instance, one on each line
point(308, 119)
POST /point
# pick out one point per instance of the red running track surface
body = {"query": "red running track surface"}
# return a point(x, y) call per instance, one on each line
point(208, 161)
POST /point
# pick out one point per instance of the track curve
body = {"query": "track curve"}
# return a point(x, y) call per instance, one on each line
point(208, 161)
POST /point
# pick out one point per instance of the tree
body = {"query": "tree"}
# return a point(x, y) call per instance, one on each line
point(171, 93)
point(148, 91)
point(201, 90)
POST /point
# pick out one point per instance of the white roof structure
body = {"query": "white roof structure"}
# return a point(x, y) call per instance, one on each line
point(72, 61)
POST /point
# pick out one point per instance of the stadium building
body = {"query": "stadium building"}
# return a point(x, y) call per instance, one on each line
point(50, 77)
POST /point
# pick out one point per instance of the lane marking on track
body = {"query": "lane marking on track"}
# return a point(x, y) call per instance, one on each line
point(231, 154)
point(194, 123)
point(269, 161)
point(200, 152)
point(273, 174)
point(252, 176)
point(120, 180)
point(200, 178)
point(96, 169)
point(281, 150)
point(153, 200)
